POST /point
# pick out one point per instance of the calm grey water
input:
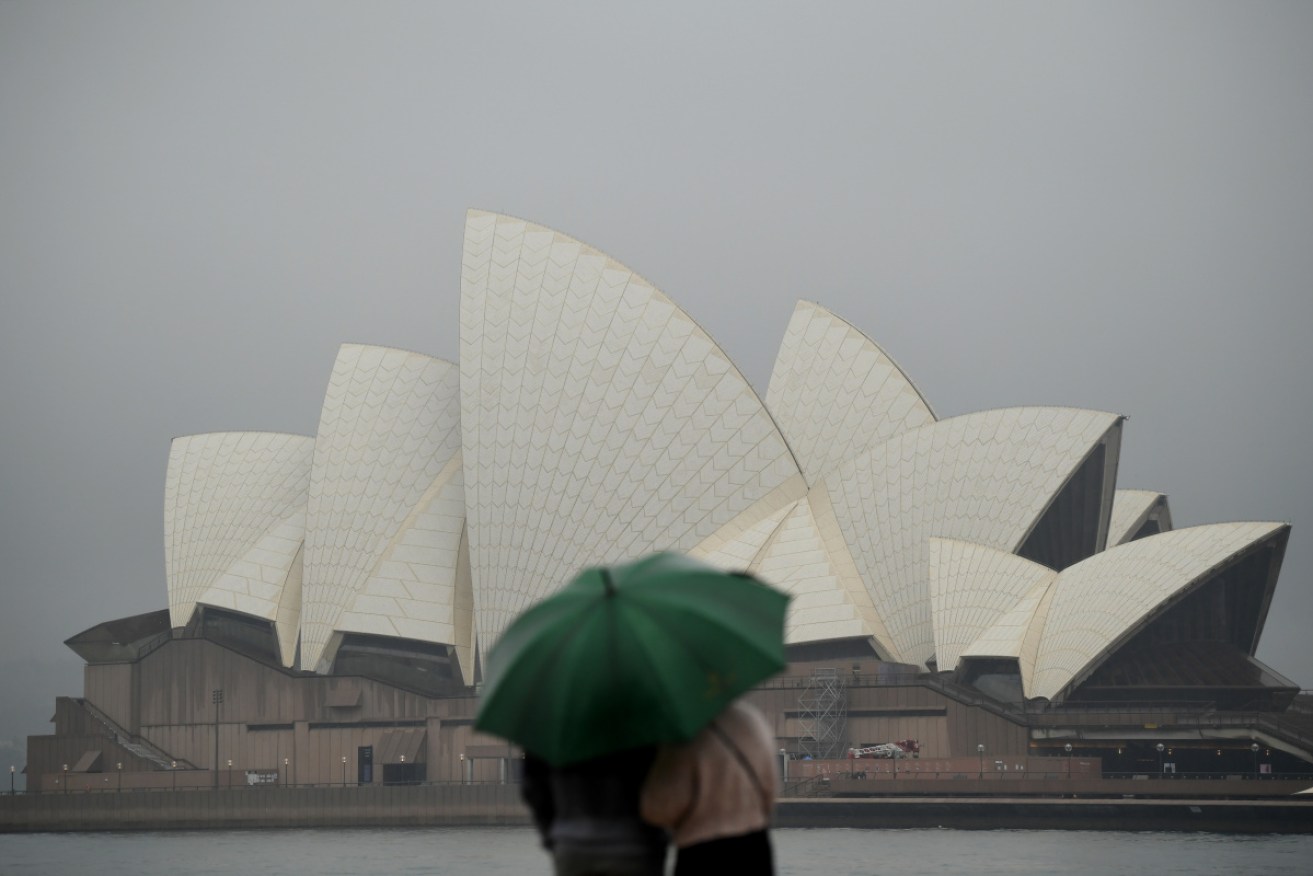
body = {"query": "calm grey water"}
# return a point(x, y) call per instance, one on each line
point(514, 851)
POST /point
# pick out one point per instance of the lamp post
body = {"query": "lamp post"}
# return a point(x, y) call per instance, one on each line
point(1067, 748)
point(65, 778)
point(285, 773)
point(784, 766)
point(344, 771)
point(980, 750)
point(230, 774)
point(11, 781)
point(1159, 748)
point(119, 766)
point(216, 697)
point(462, 767)
point(1253, 746)
point(173, 768)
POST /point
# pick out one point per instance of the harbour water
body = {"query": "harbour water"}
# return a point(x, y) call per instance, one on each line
point(514, 852)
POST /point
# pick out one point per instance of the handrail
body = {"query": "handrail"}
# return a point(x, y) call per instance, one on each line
point(121, 736)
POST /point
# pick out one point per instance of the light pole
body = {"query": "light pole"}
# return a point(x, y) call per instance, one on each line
point(1159, 747)
point(173, 768)
point(286, 777)
point(119, 765)
point(1253, 746)
point(462, 767)
point(344, 771)
point(1067, 748)
point(980, 750)
point(65, 778)
point(230, 774)
point(216, 697)
point(784, 766)
point(11, 781)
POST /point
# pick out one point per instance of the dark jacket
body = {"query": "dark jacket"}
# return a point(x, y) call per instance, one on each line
point(594, 803)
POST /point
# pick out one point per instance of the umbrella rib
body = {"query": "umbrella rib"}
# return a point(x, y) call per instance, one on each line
point(677, 634)
point(669, 694)
point(548, 663)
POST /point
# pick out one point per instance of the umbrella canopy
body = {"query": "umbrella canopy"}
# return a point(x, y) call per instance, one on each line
point(645, 652)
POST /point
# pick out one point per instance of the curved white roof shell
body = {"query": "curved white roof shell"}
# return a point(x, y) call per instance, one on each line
point(1131, 509)
point(600, 422)
point(808, 559)
point(386, 505)
point(973, 588)
point(591, 421)
point(984, 478)
point(234, 520)
point(835, 393)
point(799, 549)
point(1099, 602)
point(1017, 632)
point(740, 551)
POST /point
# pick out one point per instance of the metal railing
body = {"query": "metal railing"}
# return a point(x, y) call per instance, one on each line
point(135, 744)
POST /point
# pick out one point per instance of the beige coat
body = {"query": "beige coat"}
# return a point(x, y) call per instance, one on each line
point(701, 790)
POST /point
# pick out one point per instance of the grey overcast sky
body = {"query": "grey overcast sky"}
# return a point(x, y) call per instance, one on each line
point(1104, 205)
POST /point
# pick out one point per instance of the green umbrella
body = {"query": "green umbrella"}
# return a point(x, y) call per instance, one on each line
point(645, 652)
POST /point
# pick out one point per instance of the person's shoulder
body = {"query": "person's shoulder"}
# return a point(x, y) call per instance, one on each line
point(746, 711)
point(748, 717)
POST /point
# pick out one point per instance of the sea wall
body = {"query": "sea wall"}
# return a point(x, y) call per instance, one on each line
point(370, 806)
point(439, 805)
point(1222, 816)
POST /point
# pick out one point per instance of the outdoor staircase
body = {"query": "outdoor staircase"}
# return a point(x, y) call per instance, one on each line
point(134, 744)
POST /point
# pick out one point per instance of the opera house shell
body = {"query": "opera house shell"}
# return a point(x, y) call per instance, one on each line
point(591, 420)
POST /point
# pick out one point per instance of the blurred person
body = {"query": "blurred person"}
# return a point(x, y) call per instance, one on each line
point(587, 814)
point(715, 795)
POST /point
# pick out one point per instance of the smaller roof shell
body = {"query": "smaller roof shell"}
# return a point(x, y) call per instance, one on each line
point(1101, 602)
point(985, 478)
point(836, 393)
point(973, 590)
point(1131, 509)
point(386, 504)
point(234, 523)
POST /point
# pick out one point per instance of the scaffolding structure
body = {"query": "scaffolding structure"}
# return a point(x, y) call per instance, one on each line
point(823, 709)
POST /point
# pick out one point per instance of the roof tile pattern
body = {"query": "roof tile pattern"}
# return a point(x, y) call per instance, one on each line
point(740, 552)
point(973, 589)
point(1099, 601)
point(1017, 632)
point(835, 393)
point(380, 552)
point(234, 519)
point(984, 478)
point(1130, 509)
point(591, 420)
point(807, 559)
point(600, 422)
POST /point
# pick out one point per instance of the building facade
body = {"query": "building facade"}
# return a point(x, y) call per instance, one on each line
point(978, 582)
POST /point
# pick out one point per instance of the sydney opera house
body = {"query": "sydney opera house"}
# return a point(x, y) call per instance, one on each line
point(979, 583)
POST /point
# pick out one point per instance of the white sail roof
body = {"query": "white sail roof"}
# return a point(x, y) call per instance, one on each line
point(386, 505)
point(800, 551)
point(600, 422)
point(1099, 602)
point(984, 478)
point(835, 393)
point(234, 521)
point(973, 589)
point(1131, 509)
